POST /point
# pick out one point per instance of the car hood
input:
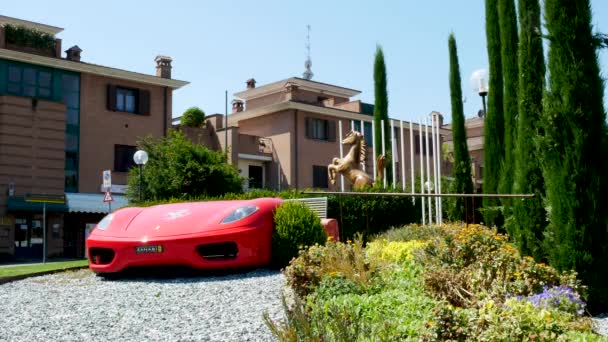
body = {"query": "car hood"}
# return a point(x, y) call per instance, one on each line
point(180, 218)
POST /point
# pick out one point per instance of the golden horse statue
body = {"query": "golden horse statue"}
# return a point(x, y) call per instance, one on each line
point(350, 165)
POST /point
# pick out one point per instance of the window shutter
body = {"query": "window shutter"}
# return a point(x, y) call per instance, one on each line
point(308, 128)
point(111, 97)
point(331, 130)
point(143, 102)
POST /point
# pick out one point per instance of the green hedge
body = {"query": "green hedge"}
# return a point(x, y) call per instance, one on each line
point(24, 36)
point(371, 215)
point(296, 227)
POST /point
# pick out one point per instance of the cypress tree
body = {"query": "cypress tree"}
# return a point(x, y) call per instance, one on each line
point(573, 147)
point(494, 124)
point(462, 161)
point(381, 110)
point(508, 54)
point(529, 215)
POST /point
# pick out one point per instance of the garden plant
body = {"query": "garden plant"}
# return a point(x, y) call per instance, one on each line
point(428, 283)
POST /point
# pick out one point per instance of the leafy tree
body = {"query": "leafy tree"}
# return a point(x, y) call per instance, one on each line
point(574, 148)
point(529, 215)
point(178, 168)
point(494, 121)
point(508, 55)
point(381, 110)
point(462, 161)
point(193, 117)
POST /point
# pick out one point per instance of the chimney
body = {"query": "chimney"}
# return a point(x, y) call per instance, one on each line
point(73, 53)
point(237, 106)
point(290, 90)
point(163, 66)
point(251, 83)
point(438, 116)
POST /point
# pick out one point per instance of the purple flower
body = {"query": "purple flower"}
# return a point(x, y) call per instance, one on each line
point(557, 297)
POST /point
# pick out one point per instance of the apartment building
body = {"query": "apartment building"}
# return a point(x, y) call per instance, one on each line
point(284, 134)
point(62, 122)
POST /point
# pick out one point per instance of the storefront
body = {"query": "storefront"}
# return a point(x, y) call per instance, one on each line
point(67, 225)
point(27, 219)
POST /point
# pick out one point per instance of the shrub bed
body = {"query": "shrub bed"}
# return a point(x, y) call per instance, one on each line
point(430, 283)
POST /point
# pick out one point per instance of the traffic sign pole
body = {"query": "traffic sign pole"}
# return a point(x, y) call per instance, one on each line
point(43, 232)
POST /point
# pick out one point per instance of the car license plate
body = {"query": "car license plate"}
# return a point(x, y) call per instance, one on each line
point(149, 249)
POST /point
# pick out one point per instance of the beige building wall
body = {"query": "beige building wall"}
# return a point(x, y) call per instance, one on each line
point(265, 100)
point(277, 127)
point(101, 129)
point(297, 154)
point(32, 157)
point(32, 146)
point(317, 152)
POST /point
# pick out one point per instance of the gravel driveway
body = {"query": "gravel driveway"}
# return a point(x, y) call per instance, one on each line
point(79, 306)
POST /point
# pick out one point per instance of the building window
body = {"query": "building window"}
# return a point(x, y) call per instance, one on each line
point(319, 177)
point(70, 96)
point(128, 100)
point(125, 100)
point(29, 81)
point(320, 129)
point(123, 157)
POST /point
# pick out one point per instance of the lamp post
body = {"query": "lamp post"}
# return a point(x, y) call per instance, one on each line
point(479, 83)
point(140, 157)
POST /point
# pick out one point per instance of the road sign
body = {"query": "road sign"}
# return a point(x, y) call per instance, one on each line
point(107, 179)
point(108, 197)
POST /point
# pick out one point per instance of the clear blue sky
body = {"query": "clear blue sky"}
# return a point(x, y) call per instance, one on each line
point(217, 45)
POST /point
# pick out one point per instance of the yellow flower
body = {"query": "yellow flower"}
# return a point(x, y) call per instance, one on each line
point(430, 323)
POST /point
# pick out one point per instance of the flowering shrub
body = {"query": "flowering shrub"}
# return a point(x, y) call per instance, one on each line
point(515, 320)
point(460, 284)
point(412, 232)
point(518, 320)
point(473, 263)
point(450, 323)
point(347, 260)
point(394, 251)
point(562, 298)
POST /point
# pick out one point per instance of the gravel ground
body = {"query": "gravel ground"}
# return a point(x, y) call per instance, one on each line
point(79, 306)
point(600, 324)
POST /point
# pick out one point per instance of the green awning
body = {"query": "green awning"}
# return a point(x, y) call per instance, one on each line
point(19, 204)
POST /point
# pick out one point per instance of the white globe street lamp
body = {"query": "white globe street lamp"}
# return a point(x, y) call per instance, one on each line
point(479, 83)
point(140, 158)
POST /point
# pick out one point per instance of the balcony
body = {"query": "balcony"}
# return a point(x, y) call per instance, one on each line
point(23, 39)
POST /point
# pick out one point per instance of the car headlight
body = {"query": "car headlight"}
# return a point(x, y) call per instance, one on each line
point(105, 222)
point(240, 213)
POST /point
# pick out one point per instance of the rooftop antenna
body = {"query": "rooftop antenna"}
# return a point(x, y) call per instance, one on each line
point(308, 64)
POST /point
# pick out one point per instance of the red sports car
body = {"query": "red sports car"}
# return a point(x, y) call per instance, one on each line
point(206, 235)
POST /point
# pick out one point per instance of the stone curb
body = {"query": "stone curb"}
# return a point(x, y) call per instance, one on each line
point(38, 274)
